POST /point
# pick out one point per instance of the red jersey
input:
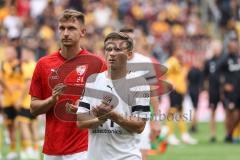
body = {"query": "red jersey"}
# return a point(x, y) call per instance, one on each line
point(62, 137)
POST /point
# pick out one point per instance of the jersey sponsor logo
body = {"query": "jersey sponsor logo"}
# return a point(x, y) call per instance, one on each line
point(107, 131)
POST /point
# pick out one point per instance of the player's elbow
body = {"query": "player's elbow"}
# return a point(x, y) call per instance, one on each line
point(140, 128)
point(80, 125)
point(33, 112)
point(33, 109)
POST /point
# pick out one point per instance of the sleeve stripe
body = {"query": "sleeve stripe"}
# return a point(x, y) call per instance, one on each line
point(141, 108)
point(149, 78)
point(84, 105)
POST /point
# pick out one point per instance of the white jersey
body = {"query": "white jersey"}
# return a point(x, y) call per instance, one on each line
point(138, 58)
point(110, 141)
point(142, 66)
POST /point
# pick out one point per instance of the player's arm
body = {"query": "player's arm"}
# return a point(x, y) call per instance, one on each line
point(85, 118)
point(140, 112)
point(91, 124)
point(39, 106)
point(89, 120)
point(132, 124)
point(24, 93)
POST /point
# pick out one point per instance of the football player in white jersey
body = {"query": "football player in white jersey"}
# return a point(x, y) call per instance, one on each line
point(152, 128)
point(115, 105)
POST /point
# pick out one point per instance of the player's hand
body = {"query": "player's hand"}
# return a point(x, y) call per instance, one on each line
point(70, 108)
point(57, 91)
point(102, 111)
point(100, 117)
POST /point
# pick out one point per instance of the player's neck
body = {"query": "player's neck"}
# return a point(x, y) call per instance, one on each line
point(115, 74)
point(70, 52)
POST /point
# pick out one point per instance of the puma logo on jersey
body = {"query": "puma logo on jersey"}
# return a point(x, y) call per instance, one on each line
point(109, 87)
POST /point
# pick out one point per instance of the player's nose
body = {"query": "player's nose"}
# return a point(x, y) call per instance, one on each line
point(66, 32)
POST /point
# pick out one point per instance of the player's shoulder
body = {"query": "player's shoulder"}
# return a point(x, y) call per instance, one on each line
point(48, 58)
point(138, 58)
point(85, 52)
point(94, 58)
point(96, 78)
point(134, 78)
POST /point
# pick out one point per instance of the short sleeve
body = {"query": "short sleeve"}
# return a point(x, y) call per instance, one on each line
point(141, 98)
point(36, 83)
point(84, 103)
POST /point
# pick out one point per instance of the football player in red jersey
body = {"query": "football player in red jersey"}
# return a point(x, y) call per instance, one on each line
point(60, 78)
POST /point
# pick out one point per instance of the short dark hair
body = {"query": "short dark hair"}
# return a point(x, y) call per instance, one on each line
point(121, 36)
point(126, 30)
point(71, 14)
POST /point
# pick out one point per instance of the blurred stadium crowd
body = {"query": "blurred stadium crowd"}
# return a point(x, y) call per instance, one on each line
point(203, 31)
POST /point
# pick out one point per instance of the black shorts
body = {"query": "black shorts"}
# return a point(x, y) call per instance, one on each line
point(23, 112)
point(176, 100)
point(231, 98)
point(214, 98)
point(10, 112)
point(194, 97)
point(236, 102)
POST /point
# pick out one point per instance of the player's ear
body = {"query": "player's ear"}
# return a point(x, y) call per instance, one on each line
point(83, 32)
point(129, 55)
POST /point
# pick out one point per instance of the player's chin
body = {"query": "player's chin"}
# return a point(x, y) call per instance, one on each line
point(112, 66)
point(67, 44)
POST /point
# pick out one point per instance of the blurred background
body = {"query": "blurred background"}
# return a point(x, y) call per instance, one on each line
point(157, 22)
point(201, 29)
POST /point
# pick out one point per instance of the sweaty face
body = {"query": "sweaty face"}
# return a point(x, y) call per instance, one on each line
point(116, 53)
point(70, 32)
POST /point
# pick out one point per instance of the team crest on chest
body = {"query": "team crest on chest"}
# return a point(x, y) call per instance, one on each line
point(81, 70)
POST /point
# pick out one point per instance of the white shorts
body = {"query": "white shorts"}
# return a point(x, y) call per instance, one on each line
point(75, 156)
point(145, 142)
